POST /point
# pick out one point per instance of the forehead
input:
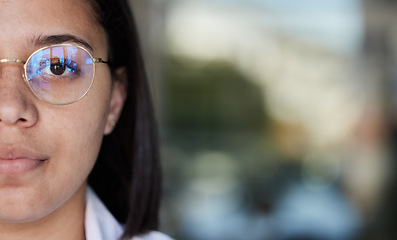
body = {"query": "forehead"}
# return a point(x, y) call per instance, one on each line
point(24, 20)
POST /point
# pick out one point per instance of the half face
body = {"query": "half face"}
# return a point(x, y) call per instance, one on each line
point(47, 151)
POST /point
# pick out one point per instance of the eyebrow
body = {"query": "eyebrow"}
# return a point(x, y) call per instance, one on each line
point(61, 38)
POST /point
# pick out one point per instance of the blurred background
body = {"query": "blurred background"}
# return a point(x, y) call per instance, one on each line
point(277, 117)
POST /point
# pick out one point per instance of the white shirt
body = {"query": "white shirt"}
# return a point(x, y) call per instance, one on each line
point(101, 225)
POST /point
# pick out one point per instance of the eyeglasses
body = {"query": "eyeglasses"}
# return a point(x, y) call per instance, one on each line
point(59, 74)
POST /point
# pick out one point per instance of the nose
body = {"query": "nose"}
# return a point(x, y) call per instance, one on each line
point(16, 105)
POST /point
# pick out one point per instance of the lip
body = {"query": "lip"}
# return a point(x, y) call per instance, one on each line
point(17, 160)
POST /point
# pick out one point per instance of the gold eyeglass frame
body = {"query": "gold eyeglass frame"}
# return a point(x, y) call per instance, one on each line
point(94, 61)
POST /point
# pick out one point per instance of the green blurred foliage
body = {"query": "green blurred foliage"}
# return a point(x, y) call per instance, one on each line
point(211, 96)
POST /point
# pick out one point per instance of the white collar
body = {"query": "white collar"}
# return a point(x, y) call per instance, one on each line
point(99, 222)
point(101, 225)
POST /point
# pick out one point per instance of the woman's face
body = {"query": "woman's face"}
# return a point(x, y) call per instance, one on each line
point(47, 151)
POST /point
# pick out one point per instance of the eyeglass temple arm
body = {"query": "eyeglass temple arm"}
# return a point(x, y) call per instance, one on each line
point(98, 60)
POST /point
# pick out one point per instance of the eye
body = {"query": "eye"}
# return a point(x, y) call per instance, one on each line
point(57, 68)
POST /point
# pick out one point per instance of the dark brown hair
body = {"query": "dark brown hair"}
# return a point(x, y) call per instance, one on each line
point(127, 174)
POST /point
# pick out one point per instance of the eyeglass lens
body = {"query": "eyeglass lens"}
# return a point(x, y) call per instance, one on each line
point(60, 74)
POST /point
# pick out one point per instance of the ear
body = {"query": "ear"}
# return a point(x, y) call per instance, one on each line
point(117, 99)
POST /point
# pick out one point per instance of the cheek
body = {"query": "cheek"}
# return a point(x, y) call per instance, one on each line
point(79, 141)
point(77, 132)
point(71, 135)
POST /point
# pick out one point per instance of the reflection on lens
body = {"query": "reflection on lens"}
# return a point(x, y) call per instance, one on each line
point(60, 74)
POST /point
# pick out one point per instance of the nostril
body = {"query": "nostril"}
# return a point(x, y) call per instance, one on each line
point(20, 120)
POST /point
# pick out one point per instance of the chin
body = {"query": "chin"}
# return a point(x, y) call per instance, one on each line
point(22, 208)
point(24, 214)
point(20, 217)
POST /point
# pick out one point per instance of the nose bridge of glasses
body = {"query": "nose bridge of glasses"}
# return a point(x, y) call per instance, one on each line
point(4, 61)
point(12, 60)
point(11, 86)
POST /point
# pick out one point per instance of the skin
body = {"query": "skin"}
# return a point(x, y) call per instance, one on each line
point(48, 202)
